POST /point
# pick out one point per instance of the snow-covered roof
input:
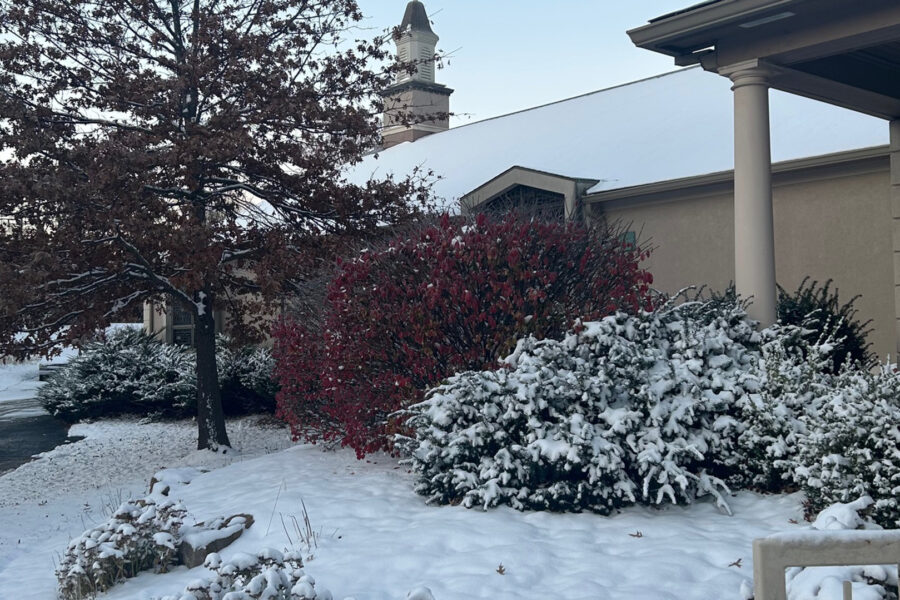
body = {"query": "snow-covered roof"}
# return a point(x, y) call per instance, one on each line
point(667, 127)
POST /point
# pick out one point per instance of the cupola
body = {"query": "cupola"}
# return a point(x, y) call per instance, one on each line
point(415, 106)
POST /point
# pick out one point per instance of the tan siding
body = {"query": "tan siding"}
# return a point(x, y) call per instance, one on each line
point(693, 240)
point(837, 228)
point(841, 229)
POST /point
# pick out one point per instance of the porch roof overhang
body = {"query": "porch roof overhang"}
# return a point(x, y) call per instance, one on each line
point(840, 52)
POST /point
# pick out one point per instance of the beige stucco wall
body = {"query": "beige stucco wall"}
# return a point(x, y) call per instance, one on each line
point(825, 227)
point(692, 239)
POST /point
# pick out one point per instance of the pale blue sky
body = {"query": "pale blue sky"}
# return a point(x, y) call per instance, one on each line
point(507, 55)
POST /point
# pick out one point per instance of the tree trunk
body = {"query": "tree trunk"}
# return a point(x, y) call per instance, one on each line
point(210, 417)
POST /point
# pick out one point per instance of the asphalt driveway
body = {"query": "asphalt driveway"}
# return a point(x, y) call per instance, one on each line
point(25, 430)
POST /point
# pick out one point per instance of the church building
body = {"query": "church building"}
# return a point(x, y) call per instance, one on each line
point(816, 196)
point(658, 155)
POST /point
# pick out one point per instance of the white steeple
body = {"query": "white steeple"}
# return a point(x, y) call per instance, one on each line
point(415, 105)
point(416, 42)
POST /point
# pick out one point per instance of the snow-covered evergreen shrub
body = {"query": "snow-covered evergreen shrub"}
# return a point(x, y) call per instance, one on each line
point(140, 535)
point(663, 407)
point(835, 436)
point(851, 444)
point(130, 372)
point(629, 409)
point(270, 575)
point(478, 442)
point(797, 375)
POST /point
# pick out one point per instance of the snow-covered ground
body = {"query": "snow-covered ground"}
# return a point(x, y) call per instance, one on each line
point(46, 502)
point(376, 539)
point(379, 540)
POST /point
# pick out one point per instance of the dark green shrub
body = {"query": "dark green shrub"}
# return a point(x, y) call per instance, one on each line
point(130, 372)
point(819, 310)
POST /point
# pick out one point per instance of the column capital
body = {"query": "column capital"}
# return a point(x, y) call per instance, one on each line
point(894, 128)
point(747, 72)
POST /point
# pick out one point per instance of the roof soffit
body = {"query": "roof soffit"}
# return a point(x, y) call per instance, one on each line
point(801, 29)
point(695, 28)
point(841, 52)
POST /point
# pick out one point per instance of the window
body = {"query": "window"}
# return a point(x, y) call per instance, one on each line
point(629, 239)
point(182, 326)
point(537, 203)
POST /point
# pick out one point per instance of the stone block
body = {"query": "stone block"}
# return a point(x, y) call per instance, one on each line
point(203, 539)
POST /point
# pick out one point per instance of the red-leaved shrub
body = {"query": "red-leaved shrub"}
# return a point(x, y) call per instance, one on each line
point(453, 296)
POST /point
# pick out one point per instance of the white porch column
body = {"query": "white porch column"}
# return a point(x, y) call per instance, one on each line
point(895, 212)
point(754, 233)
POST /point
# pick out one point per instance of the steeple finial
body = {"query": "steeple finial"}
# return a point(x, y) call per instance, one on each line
point(415, 18)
